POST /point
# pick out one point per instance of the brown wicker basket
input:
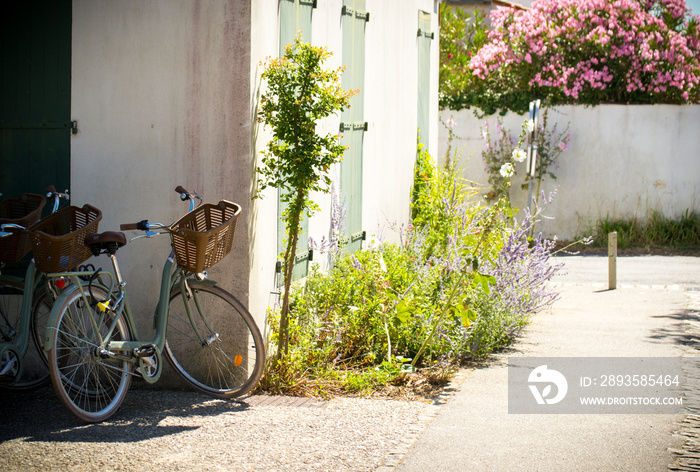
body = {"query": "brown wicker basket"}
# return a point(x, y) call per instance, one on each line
point(58, 239)
point(23, 211)
point(204, 236)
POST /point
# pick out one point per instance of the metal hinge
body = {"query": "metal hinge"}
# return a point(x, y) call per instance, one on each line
point(74, 127)
point(426, 34)
point(362, 15)
point(359, 236)
point(363, 125)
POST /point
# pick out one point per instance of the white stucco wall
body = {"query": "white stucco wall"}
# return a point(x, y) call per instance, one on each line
point(624, 161)
point(160, 91)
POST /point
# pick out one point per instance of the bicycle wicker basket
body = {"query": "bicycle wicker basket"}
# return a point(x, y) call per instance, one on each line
point(58, 240)
point(23, 211)
point(204, 236)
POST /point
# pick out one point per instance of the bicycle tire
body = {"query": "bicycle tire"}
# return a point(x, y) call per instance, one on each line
point(35, 373)
point(90, 386)
point(223, 363)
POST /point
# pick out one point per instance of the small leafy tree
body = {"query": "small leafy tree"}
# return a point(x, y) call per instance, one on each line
point(300, 92)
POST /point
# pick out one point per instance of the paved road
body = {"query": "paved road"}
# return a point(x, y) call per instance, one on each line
point(646, 316)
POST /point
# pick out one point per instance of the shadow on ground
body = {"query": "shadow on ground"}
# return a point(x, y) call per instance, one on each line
point(40, 416)
point(680, 329)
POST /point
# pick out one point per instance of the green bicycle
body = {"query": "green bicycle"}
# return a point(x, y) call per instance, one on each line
point(206, 334)
point(25, 303)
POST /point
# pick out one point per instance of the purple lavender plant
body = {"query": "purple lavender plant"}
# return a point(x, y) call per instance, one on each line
point(523, 268)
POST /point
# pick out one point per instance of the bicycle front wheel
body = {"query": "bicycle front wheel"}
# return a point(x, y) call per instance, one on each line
point(90, 383)
point(34, 373)
point(213, 342)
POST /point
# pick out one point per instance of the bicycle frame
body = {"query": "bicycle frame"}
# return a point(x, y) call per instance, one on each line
point(126, 350)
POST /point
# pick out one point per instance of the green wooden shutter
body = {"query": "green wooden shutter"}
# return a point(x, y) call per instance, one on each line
point(425, 37)
point(353, 127)
point(295, 17)
point(35, 74)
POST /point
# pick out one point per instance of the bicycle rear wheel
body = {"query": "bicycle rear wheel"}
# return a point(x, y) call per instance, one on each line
point(216, 347)
point(34, 373)
point(90, 385)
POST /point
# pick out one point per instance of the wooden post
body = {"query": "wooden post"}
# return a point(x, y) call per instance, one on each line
point(612, 260)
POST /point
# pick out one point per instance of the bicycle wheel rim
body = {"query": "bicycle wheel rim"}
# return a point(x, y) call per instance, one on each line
point(91, 386)
point(224, 356)
point(35, 373)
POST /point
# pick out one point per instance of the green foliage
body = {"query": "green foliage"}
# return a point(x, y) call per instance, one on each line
point(461, 36)
point(656, 231)
point(300, 92)
point(450, 290)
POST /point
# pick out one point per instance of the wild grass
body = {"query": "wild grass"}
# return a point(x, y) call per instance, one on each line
point(653, 232)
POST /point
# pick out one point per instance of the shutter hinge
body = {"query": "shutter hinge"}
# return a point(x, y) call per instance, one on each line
point(74, 127)
point(359, 236)
point(363, 125)
point(355, 13)
point(426, 34)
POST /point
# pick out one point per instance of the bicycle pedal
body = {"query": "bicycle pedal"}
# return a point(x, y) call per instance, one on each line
point(146, 350)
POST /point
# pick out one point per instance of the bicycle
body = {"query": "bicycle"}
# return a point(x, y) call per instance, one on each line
point(95, 350)
point(23, 364)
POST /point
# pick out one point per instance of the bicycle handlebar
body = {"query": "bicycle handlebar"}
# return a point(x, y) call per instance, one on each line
point(5, 226)
point(191, 196)
point(144, 225)
point(52, 193)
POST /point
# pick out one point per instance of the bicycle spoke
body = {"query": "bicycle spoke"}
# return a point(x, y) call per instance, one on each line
point(92, 386)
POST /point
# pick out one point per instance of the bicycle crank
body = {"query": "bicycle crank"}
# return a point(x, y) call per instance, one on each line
point(150, 363)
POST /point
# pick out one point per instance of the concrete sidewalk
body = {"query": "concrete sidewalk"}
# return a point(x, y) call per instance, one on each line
point(647, 316)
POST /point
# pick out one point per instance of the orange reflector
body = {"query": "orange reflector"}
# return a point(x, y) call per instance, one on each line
point(238, 359)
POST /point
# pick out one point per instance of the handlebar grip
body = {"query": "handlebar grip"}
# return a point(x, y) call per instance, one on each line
point(128, 226)
point(180, 189)
point(51, 189)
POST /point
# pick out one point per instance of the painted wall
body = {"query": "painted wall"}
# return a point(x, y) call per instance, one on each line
point(161, 94)
point(623, 161)
point(165, 93)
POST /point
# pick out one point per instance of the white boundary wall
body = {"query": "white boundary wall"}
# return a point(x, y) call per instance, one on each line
point(623, 161)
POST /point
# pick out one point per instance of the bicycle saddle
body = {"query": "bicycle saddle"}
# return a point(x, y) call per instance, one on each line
point(108, 242)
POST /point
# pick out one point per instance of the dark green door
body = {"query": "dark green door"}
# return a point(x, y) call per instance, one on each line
point(35, 74)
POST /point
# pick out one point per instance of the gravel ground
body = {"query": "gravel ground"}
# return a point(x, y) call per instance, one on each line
point(173, 431)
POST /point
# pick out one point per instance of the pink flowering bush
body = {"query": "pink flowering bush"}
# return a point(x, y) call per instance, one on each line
point(589, 52)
